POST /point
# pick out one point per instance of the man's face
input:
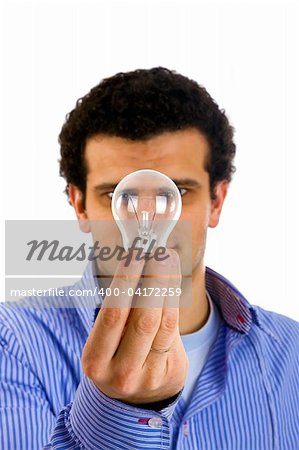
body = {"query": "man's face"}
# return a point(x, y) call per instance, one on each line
point(180, 155)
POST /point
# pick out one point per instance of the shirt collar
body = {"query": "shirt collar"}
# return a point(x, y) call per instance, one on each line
point(235, 310)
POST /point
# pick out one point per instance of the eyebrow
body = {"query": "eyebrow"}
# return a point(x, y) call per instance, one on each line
point(186, 182)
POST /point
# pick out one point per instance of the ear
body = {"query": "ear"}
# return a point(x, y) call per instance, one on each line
point(216, 206)
point(76, 199)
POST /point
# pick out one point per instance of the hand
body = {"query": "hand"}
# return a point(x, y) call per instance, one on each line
point(118, 355)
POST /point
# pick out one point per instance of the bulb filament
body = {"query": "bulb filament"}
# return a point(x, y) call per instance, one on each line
point(145, 227)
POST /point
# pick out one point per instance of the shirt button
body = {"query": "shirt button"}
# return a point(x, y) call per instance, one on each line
point(155, 422)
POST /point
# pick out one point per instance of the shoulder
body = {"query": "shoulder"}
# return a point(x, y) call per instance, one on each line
point(282, 327)
point(35, 309)
point(277, 337)
point(34, 320)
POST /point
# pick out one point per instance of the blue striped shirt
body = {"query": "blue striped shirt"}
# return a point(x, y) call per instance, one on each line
point(246, 397)
point(197, 346)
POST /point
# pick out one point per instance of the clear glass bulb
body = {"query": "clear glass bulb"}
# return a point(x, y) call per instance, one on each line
point(146, 206)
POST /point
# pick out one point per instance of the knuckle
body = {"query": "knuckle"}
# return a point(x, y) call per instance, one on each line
point(89, 367)
point(90, 363)
point(161, 281)
point(146, 323)
point(152, 384)
point(175, 259)
point(169, 322)
point(110, 316)
point(122, 384)
point(124, 282)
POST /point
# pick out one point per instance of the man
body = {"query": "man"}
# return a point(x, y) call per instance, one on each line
point(219, 374)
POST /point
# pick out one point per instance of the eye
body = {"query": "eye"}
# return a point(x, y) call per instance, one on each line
point(183, 191)
point(167, 194)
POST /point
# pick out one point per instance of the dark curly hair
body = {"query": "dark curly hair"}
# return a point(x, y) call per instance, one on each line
point(141, 104)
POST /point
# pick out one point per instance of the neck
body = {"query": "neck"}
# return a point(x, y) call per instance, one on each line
point(195, 308)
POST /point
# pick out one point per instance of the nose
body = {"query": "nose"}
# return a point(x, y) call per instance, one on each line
point(146, 203)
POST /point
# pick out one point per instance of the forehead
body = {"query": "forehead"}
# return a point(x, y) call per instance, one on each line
point(180, 152)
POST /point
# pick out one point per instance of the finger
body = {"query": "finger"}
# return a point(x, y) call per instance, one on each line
point(106, 333)
point(153, 289)
point(145, 319)
point(169, 326)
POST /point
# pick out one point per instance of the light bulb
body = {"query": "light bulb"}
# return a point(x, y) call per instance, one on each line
point(146, 206)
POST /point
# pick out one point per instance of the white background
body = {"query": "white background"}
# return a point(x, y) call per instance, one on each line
point(244, 53)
